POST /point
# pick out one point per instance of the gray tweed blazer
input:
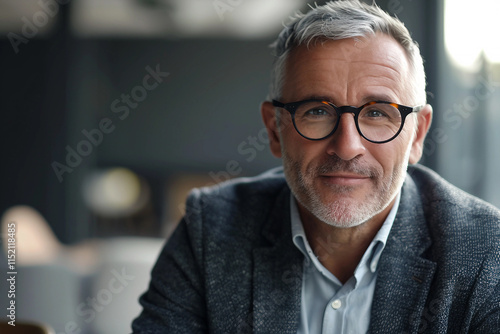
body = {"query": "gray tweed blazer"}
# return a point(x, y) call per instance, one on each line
point(231, 266)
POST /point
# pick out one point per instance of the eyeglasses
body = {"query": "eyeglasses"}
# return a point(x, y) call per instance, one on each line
point(378, 122)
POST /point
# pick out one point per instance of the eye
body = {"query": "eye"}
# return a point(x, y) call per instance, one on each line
point(375, 113)
point(317, 112)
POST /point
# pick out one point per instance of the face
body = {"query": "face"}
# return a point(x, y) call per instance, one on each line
point(344, 180)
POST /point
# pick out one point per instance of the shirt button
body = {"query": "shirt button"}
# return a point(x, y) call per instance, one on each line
point(336, 304)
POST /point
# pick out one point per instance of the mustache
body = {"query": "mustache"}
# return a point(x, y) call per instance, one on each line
point(334, 164)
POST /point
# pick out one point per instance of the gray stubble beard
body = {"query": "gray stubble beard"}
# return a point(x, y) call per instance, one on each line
point(341, 213)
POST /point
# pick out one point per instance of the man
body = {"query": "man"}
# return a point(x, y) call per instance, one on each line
point(346, 238)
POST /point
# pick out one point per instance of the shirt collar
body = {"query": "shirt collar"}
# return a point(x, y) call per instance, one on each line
point(373, 252)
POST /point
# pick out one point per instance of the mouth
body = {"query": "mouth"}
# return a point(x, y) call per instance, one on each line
point(345, 179)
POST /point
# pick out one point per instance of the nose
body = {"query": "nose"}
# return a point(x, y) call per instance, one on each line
point(346, 142)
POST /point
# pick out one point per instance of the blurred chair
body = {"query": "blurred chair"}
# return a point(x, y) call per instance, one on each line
point(25, 328)
point(83, 286)
point(122, 276)
point(34, 240)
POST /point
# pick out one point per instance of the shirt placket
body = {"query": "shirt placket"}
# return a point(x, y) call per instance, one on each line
point(335, 311)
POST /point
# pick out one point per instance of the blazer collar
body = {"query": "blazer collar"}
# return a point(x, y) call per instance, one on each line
point(404, 273)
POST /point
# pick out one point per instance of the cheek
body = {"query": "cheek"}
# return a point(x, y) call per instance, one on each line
point(296, 146)
point(409, 130)
point(306, 153)
point(392, 156)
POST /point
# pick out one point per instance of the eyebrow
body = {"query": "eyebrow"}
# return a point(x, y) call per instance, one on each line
point(381, 97)
point(364, 100)
point(318, 97)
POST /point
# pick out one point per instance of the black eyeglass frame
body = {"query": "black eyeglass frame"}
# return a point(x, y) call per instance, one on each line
point(292, 108)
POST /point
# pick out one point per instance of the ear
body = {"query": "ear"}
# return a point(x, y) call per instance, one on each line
point(424, 119)
point(269, 117)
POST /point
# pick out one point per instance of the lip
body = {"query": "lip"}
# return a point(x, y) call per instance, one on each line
point(344, 179)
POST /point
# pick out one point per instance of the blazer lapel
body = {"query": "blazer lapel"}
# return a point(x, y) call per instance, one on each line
point(404, 275)
point(277, 274)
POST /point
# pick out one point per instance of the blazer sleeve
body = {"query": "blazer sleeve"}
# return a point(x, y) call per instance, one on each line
point(487, 318)
point(174, 302)
point(489, 321)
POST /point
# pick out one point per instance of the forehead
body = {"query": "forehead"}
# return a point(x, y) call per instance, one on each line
point(348, 70)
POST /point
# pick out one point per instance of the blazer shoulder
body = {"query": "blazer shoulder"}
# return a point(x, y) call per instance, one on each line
point(240, 189)
point(453, 211)
point(236, 208)
point(435, 189)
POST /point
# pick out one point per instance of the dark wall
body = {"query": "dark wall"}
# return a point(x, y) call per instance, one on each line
point(207, 106)
point(33, 120)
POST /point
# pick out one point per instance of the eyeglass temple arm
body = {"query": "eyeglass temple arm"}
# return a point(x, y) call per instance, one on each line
point(418, 108)
point(278, 104)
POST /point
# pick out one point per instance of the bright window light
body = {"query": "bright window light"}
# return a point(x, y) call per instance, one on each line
point(472, 28)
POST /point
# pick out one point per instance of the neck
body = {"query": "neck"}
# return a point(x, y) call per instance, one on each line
point(340, 249)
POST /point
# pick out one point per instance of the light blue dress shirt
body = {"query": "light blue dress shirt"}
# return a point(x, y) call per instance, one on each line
point(327, 306)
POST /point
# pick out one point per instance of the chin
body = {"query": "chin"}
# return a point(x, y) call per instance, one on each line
point(341, 213)
point(342, 222)
point(346, 221)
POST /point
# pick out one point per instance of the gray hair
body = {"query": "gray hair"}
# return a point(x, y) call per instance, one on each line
point(340, 20)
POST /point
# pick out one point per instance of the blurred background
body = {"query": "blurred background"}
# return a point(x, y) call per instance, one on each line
point(113, 109)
